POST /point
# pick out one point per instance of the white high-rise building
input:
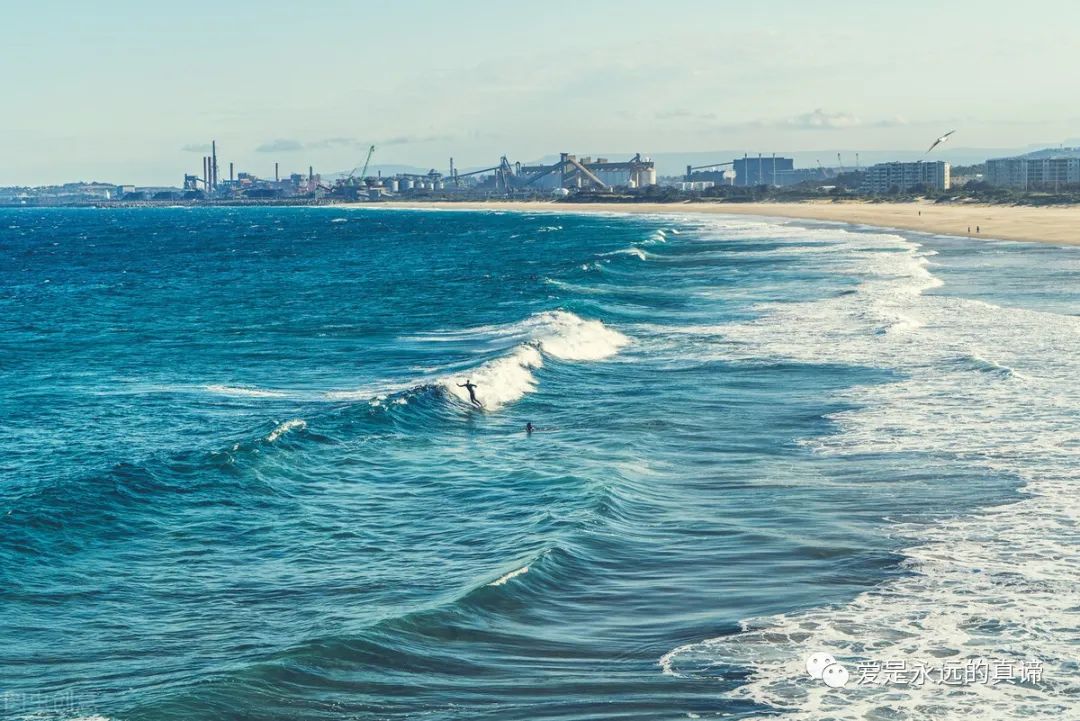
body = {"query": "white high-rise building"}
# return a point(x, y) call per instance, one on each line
point(884, 177)
point(1043, 169)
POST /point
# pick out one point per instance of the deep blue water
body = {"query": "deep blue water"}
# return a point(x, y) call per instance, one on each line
point(238, 479)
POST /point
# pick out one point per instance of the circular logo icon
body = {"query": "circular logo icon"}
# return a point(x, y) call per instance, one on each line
point(817, 662)
point(834, 675)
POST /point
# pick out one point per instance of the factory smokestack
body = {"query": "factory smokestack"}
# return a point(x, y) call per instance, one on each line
point(206, 173)
point(277, 177)
point(213, 164)
point(230, 173)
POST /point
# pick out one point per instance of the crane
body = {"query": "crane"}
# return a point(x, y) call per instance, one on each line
point(363, 172)
point(367, 161)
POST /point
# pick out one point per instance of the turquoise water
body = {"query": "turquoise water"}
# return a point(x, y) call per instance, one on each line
point(239, 479)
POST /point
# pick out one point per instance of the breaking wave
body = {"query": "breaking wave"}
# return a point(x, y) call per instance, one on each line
point(634, 251)
point(558, 334)
point(509, 576)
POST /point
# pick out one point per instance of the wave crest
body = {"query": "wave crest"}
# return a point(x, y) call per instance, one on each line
point(558, 334)
point(283, 428)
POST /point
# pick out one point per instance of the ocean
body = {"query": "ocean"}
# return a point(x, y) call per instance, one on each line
point(239, 478)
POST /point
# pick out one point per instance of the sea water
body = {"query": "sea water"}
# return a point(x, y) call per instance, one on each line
point(240, 479)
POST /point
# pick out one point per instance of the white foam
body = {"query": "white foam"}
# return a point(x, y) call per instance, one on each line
point(500, 381)
point(283, 428)
point(513, 574)
point(558, 334)
point(986, 384)
point(569, 337)
point(245, 391)
point(632, 250)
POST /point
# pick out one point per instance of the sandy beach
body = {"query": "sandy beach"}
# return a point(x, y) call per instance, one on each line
point(1058, 225)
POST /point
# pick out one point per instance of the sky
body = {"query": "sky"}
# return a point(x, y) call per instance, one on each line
point(133, 92)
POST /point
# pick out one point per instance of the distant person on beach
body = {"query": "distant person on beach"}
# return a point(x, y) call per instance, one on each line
point(471, 387)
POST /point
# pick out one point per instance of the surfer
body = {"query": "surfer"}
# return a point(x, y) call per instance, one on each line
point(529, 428)
point(471, 387)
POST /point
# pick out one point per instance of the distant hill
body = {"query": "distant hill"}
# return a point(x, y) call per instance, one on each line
point(1051, 153)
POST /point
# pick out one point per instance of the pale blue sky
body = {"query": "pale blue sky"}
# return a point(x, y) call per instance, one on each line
point(129, 91)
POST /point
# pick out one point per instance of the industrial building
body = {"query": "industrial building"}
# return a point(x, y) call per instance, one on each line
point(887, 177)
point(761, 170)
point(795, 176)
point(753, 171)
point(586, 174)
point(569, 173)
point(695, 186)
point(714, 176)
point(636, 173)
point(1042, 169)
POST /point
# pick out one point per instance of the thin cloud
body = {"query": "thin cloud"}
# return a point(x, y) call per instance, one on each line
point(894, 122)
point(281, 145)
point(287, 145)
point(819, 119)
point(413, 139)
point(682, 114)
point(328, 143)
point(196, 148)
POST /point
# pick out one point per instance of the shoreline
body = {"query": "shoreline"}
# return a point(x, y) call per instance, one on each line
point(1054, 225)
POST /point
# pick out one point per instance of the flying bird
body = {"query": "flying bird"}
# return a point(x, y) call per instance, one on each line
point(940, 140)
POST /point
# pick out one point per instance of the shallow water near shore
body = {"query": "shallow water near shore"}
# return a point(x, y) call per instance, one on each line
point(239, 479)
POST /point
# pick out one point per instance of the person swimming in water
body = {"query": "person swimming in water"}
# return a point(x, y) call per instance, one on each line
point(529, 428)
point(471, 387)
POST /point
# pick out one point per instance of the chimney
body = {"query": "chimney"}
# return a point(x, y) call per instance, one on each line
point(277, 177)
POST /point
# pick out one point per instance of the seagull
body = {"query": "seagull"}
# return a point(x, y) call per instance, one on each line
point(940, 140)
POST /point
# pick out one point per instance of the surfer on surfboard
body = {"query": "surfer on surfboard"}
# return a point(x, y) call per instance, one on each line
point(471, 387)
